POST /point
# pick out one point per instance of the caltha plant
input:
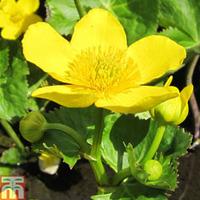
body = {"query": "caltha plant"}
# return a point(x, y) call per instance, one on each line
point(104, 84)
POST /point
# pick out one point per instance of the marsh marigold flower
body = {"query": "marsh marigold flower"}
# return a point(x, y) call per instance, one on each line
point(97, 67)
point(174, 110)
point(16, 16)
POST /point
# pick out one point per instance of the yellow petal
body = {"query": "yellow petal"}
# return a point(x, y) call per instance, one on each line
point(186, 94)
point(43, 46)
point(11, 32)
point(99, 28)
point(3, 19)
point(155, 55)
point(30, 19)
point(66, 95)
point(8, 5)
point(28, 6)
point(137, 99)
point(183, 115)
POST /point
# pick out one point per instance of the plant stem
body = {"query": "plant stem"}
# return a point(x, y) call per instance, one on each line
point(156, 143)
point(97, 165)
point(37, 84)
point(84, 147)
point(12, 134)
point(193, 101)
point(119, 177)
point(99, 125)
point(79, 8)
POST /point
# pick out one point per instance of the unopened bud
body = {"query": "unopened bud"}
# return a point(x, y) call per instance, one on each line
point(32, 126)
point(154, 169)
point(174, 110)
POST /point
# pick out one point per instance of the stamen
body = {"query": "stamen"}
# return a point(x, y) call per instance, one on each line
point(102, 69)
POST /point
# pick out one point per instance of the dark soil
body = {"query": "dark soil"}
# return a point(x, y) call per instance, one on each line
point(189, 170)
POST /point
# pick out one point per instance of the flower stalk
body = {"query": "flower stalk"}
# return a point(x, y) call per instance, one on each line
point(84, 147)
point(120, 176)
point(97, 165)
point(156, 143)
point(12, 134)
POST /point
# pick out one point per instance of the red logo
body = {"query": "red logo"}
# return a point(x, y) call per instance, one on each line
point(12, 188)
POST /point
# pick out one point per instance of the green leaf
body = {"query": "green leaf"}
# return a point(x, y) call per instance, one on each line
point(11, 156)
point(82, 120)
point(174, 144)
point(5, 171)
point(139, 18)
point(132, 191)
point(119, 132)
point(68, 148)
point(176, 16)
point(62, 15)
point(70, 160)
point(13, 82)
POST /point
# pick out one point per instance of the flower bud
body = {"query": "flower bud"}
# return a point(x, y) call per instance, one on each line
point(154, 169)
point(32, 126)
point(174, 110)
point(49, 163)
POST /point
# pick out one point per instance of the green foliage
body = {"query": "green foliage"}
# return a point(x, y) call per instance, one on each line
point(118, 132)
point(132, 191)
point(62, 15)
point(82, 120)
point(181, 18)
point(139, 19)
point(11, 156)
point(8, 158)
point(13, 82)
point(68, 148)
point(137, 135)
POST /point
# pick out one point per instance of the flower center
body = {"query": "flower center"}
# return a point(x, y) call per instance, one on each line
point(16, 17)
point(105, 70)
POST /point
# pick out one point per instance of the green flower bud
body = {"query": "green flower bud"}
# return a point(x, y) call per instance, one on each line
point(154, 169)
point(174, 110)
point(32, 126)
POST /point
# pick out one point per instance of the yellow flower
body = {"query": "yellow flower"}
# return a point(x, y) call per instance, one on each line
point(174, 110)
point(16, 16)
point(48, 162)
point(97, 67)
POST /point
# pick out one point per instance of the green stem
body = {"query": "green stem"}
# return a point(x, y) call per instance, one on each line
point(97, 165)
point(84, 147)
point(37, 84)
point(12, 134)
point(120, 176)
point(99, 125)
point(79, 8)
point(156, 143)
